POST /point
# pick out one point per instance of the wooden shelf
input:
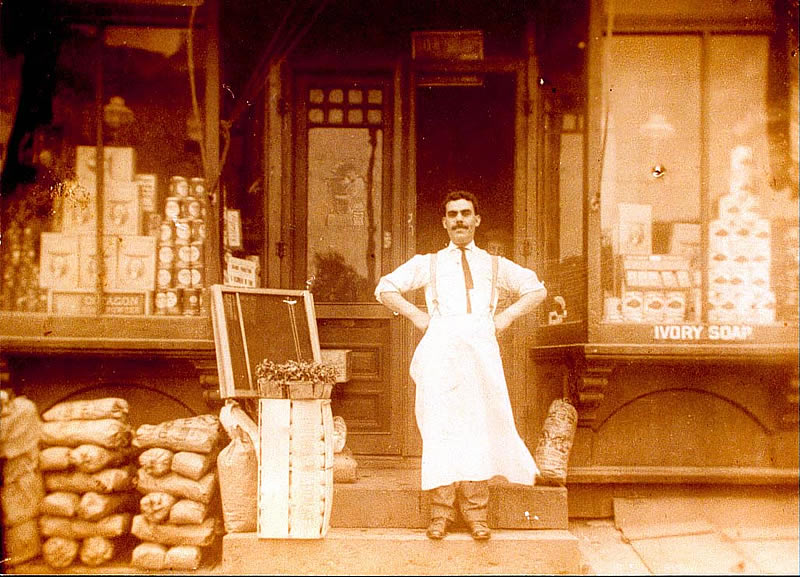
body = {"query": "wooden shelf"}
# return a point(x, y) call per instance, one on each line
point(41, 333)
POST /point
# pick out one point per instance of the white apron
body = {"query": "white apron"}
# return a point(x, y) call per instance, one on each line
point(462, 406)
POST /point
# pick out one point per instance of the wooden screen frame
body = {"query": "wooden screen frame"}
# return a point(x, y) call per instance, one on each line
point(228, 331)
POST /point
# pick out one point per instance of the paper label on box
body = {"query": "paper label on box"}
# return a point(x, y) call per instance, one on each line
point(121, 209)
point(136, 268)
point(146, 185)
point(118, 163)
point(85, 303)
point(634, 228)
point(87, 260)
point(58, 261)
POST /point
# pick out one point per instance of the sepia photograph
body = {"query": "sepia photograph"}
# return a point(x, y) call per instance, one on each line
point(394, 287)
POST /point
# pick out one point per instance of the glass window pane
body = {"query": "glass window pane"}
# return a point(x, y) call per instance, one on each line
point(344, 212)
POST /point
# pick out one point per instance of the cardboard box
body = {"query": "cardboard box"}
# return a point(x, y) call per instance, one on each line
point(136, 263)
point(339, 358)
point(634, 229)
point(121, 214)
point(58, 261)
point(119, 162)
point(87, 262)
point(83, 302)
point(79, 209)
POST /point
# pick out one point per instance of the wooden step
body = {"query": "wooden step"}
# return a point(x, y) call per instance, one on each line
point(393, 498)
point(402, 552)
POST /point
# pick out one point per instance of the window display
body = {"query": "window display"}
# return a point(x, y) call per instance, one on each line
point(695, 230)
point(129, 95)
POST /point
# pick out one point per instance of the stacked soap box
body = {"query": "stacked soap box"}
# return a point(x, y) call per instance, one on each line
point(69, 258)
point(739, 259)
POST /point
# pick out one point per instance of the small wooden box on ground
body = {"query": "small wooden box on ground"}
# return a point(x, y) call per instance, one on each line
point(295, 468)
point(339, 358)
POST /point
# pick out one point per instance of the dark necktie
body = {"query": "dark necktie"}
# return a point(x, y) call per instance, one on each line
point(467, 277)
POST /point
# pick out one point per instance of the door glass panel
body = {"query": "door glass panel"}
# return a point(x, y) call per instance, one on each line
point(345, 168)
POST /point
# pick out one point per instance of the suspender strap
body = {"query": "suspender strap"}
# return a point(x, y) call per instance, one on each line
point(434, 294)
point(492, 303)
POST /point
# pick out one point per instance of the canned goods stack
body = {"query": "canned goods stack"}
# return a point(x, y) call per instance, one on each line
point(181, 255)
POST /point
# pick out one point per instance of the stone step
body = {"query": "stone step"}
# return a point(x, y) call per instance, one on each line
point(393, 498)
point(403, 552)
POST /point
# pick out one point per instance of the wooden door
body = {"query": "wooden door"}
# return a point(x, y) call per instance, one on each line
point(343, 242)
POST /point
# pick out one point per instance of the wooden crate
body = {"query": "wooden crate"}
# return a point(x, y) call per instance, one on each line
point(295, 468)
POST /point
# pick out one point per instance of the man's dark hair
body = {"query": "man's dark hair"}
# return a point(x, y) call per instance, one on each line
point(458, 195)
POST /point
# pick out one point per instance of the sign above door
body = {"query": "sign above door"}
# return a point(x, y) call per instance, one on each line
point(447, 45)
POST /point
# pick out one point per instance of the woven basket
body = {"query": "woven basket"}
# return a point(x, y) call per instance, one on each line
point(555, 441)
point(271, 389)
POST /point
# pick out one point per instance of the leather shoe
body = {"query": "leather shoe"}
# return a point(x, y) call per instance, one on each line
point(437, 529)
point(480, 531)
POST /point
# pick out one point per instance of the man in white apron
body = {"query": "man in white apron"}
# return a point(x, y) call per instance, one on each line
point(462, 406)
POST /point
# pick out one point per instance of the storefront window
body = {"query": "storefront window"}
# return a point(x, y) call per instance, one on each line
point(148, 211)
point(693, 225)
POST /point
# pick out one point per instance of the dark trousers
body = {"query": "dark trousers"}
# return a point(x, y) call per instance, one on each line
point(472, 497)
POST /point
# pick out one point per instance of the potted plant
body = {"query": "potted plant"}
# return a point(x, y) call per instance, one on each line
point(295, 379)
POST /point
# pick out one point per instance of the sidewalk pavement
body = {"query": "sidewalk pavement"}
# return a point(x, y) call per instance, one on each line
point(692, 536)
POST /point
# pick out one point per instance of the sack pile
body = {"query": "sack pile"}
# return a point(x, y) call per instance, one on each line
point(21, 490)
point(86, 464)
point(177, 477)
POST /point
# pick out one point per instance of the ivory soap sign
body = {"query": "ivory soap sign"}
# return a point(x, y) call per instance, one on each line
point(701, 332)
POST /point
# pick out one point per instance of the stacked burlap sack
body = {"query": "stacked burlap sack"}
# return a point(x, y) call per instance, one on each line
point(21, 490)
point(177, 476)
point(86, 459)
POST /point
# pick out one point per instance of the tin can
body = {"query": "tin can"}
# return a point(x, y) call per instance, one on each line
point(167, 232)
point(183, 276)
point(172, 207)
point(161, 302)
point(183, 253)
point(164, 278)
point(166, 256)
point(183, 230)
point(197, 253)
point(198, 277)
point(191, 302)
point(178, 186)
point(173, 301)
point(197, 187)
point(192, 207)
point(198, 228)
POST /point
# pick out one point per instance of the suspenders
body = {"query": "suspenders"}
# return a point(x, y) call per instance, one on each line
point(435, 294)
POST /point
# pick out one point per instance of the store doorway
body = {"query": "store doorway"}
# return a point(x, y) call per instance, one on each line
point(465, 140)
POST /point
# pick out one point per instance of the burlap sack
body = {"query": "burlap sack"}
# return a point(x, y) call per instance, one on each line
point(199, 434)
point(109, 433)
point(108, 408)
point(178, 485)
point(21, 542)
point(111, 526)
point(96, 550)
point(60, 552)
point(193, 465)
point(183, 558)
point(20, 428)
point(105, 481)
point(93, 458)
point(149, 556)
point(54, 459)
point(60, 504)
point(555, 442)
point(156, 506)
point(156, 461)
point(94, 506)
point(187, 512)
point(22, 490)
point(201, 535)
point(237, 465)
